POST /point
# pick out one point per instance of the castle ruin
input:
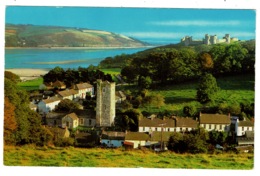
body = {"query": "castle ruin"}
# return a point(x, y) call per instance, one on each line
point(106, 106)
point(208, 40)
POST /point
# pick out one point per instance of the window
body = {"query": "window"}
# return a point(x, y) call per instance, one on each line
point(155, 129)
point(242, 128)
point(143, 128)
point(81, 121)
point(209, 126)
point(104, 89)
point(89, 121)
point(168, 129)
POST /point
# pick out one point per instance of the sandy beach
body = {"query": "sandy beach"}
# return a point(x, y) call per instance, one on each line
point(28, 74)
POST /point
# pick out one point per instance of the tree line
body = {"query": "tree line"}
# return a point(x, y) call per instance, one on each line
point(164, 65)
point(75, 76)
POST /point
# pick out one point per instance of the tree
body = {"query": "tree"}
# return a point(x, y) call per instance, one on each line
point(190, 110)
point(206, 61)
point(207, 88)
point(144, 82)
point(10, 124)
point(13, 77)
point(67, 105)
point(129, 74)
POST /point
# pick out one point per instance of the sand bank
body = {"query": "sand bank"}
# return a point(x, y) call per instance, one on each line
point(28, 74)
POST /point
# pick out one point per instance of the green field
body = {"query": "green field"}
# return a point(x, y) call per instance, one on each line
point(234, 89)
point(96, 157)
point(31, 84)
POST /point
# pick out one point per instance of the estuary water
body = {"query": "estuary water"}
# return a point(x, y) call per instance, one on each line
point(65, 58)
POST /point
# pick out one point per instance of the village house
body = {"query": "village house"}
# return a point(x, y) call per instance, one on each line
point(217, 122)
point(112, 138)
point(56, 85)
point(48, 105)
point(241, 127)
point(53, 119)
point(70, 94)
point(70, 121)
point(84, 89)
point(175, 124)
point(136, 139)
point(87, 118)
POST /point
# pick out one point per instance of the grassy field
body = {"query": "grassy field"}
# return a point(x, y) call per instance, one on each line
point(75, 157)
point(234, 89)
point(113, 72)
point(31, 84)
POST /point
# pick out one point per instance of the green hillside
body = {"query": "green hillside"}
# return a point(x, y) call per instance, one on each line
point(56, 36)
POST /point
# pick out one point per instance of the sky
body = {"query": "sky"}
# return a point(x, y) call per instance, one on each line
point(152, 25)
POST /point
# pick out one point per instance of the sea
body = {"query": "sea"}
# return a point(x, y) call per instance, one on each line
point(48, 58)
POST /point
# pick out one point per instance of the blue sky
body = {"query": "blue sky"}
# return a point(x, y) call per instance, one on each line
point(154, 25)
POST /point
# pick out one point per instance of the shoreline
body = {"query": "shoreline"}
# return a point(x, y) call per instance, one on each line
point(26, 74)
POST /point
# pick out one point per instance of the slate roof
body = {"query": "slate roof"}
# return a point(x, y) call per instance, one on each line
point(51, 100)
point(55, 115)
point(214, 119)
point(66, 93)
point(83, 86)
point(136, 136)
point(86, 113)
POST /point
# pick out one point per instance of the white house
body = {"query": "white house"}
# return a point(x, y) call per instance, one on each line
point(137, 139)
point(48, 105)
point(217, 122)
point(112, 138)
point(83, 89)
point(241, 127)
point(70, 121)
point(70, 94)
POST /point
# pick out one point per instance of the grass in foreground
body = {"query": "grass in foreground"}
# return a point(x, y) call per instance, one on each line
point(75, 157)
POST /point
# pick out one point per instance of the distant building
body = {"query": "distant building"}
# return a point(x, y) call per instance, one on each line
point(48, 105)
point(208, 40)
point(105, 108)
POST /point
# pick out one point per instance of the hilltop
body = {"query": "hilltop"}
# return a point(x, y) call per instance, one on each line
point(57, 36)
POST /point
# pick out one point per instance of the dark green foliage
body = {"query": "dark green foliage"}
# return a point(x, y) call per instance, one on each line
point(128, 120)
point(29, 129)
point(190, 110)
point(67, 105)
point(217, 137)
point(74, 76)
point(207, 88)
point(191, 142)
point(144, 82)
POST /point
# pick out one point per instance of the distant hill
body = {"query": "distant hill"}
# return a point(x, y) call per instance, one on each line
point(57, 36)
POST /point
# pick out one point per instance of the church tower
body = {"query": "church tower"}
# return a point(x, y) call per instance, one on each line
point(106, 106)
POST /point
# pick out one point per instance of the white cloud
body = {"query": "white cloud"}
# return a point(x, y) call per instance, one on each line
point(195, 23)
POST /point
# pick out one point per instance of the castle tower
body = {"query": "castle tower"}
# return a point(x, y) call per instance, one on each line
point(206, 39)
point(227, 37)
point(106, 106)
